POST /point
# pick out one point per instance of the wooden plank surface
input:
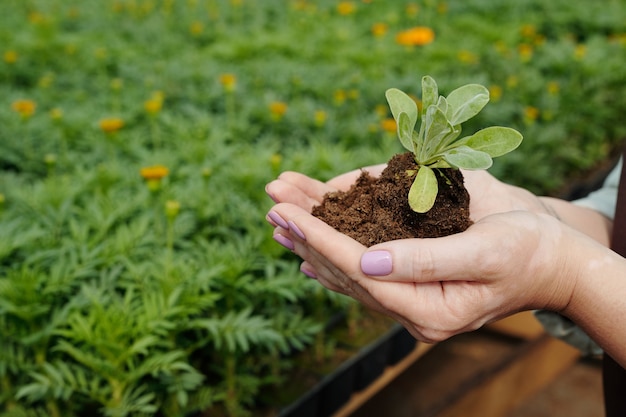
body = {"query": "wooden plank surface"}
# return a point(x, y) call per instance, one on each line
point(497, 375)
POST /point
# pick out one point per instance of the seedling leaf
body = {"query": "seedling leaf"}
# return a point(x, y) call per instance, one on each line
point(466, 102)
point(405, 131)
point(430, 93)
point(424, 190)
point(467, 158)
point(495, 140)
point(435, 145)
point(399, 102)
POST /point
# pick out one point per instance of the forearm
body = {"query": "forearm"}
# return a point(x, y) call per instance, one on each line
point(583, 219)
point(598, 303)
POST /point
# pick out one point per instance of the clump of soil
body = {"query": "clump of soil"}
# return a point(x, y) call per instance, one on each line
point(376, 210)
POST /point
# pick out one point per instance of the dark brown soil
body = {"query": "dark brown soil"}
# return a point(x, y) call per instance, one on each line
point(376, 210)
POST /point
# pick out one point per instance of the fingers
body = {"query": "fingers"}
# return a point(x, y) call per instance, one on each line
point(344, 181)
point(298, 189)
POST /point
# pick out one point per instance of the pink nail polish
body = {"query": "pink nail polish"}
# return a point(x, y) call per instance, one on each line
point(294, 228)
point(376, 263)
point(285, 241)
point(275, 217)
point(308, 273)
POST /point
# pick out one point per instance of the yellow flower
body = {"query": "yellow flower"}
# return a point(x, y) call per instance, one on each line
point(389, 125)
point(155, 103)
point(228, 81)
point(10, 57)
point(416, 36)
point(278, 109)
point(412, 10)
point(379, 29)
point(467, 57)
point(111, 125)
point(25, 108)
point(580, 51)
point(56, 114)
point(553, 88)
point(345, 8)
point(528, 31)
point(172, 208)
point(153, 176)
point(495, 92)
point(275, 161)
point(531, 114)
point(525, 51)
point(116, 84)
point(320, 117)
point(512, 81)
point(340, 97)
point(196, 28)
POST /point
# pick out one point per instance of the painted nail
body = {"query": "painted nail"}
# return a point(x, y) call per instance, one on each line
point(294, 228)
point(285, 241)
point(308, 273)
point(376, 263)
point(275, 217)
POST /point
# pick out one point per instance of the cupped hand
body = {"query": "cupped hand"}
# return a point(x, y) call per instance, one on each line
point(436, 288)
point(487, 194)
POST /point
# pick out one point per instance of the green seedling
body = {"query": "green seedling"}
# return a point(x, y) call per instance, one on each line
point(437, 144)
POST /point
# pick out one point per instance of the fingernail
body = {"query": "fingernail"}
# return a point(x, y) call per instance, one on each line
point(308, 273)
point(275, 217)
point(286, 242)
point(376, 263)
point(294, 228)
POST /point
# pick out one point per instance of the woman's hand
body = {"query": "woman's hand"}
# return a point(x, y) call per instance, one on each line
point(440, 287)
point(522, 252)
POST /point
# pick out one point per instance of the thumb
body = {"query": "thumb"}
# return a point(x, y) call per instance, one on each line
point(447, 258)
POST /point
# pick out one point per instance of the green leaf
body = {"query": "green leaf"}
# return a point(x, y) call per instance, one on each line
point(466, 102)
point(467, 158)
point(424, 190)
point(430, 93)
point(405, 131)
point(436, 128)
point(495, 140)
point(400, 102)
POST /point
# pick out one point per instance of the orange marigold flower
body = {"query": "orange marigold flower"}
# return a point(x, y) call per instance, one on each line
point(155, 172)
point(417, 36)
point(379, 29)
point(25, 108)
point(389, 125)
point(111, 125)
point(278, 109)
point(531, 113)
point(345, 8)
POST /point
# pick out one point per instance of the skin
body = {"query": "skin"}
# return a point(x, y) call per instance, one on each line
point(523, 252)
